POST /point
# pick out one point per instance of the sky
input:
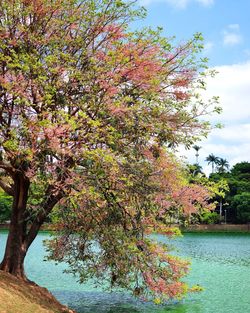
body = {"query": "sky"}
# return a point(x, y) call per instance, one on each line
point(225, 26)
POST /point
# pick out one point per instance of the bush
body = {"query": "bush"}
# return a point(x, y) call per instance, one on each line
point(242, 204)
point(210, 218)
point(5, 206)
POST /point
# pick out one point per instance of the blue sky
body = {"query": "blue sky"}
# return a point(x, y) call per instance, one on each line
point(225, 25)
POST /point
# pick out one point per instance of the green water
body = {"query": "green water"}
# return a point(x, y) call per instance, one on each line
point(220, 263)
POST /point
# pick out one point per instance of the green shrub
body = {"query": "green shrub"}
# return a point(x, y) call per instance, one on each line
point(242, 204)
point(5, 206)
point(210, 218)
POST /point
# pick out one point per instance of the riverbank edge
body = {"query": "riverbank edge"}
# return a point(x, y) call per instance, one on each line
point(217, 228)
point(17, 296)
point(213, 228)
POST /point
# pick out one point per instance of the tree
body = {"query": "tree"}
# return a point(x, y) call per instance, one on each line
point(241, 171)
point(195, 169)
point(218, 188)
point(222, 165)
point(212, 159)
point(197, 148)
point(238, 182)
point(209, 218)
point(242, 204)
point(86, 109)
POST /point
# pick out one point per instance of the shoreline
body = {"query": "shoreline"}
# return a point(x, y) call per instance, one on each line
point(199, 228)
point(215, 228)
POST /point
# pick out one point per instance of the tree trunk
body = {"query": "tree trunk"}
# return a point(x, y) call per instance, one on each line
point(20, 237)
point(16, 247)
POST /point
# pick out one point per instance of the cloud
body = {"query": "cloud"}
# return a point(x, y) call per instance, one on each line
point(206, 3)
point(234, 27)
point(178, 4)
point(232, 85)
point(232, 35)
point(233, 153)
point(239, 133)
point(247, 52)
point(208, 47)
point(231, 39)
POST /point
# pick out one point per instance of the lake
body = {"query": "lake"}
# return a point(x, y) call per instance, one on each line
point(220, 264)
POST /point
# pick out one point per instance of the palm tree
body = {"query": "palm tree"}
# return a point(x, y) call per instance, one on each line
point(222, 165)
point(195, 169)
point(197, 148)
point(212, 159)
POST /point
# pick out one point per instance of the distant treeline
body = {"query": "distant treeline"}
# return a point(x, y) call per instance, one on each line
point(236, 203)
point(232, 207)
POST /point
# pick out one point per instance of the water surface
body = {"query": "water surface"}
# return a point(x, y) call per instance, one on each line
point(220, 263)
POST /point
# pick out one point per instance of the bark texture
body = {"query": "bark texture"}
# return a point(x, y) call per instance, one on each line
point(16, 247)
point(23, 230)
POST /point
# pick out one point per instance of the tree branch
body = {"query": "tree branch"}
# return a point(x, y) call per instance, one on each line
point(46, 208)
point(8, 189)
point(7, 167)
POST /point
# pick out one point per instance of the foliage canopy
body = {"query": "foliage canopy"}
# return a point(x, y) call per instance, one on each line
point(237, 195)
point(87, 109)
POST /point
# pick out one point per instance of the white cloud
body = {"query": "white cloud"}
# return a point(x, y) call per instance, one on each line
point(239, 133)
point(206, 2)
point(247, 52)
point(234, 26)
point(208, 47)
point(232, 85)
point(231, 39)
point(232, 35)
point(178, 4)
point(233, 153)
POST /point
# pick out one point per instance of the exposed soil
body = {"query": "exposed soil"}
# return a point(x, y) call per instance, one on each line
point(17, 296)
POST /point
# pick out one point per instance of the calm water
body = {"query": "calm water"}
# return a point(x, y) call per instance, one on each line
point(220, 263)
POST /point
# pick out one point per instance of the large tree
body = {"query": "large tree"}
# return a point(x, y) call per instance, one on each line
point(86, 109)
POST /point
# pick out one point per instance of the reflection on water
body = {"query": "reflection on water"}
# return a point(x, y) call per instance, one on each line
point(101, 302)
point(220, 263)
point(93, 302)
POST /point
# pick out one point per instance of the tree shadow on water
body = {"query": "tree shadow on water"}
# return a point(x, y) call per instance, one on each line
point(101, 302)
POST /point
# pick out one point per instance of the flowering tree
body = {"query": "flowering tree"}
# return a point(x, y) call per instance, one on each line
point(86, 109)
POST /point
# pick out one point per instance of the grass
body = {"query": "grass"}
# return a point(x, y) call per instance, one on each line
point(17, 296)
